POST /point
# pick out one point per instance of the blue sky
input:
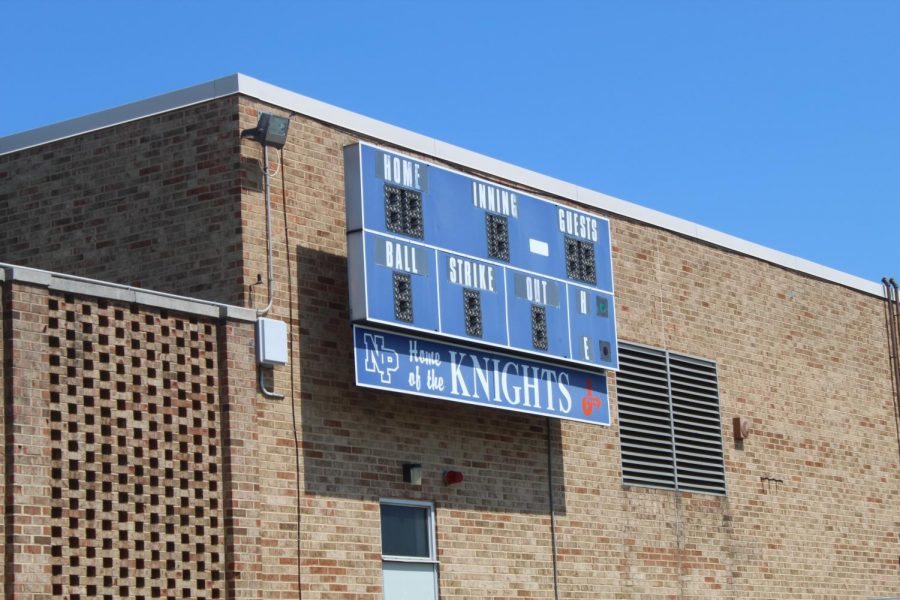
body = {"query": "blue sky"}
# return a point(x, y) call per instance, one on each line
point(776, 121)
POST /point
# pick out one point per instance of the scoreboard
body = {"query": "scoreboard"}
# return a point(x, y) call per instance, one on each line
point(436, 251)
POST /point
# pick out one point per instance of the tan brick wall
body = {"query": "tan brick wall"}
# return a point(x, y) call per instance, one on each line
point(240, 460)
point(807, 363)
point(805, 360)
point(27, 500)
point(152, 203)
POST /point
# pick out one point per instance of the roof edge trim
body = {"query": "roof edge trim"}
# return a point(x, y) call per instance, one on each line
point(460, 156)
point(292, 101)
point(133, 111)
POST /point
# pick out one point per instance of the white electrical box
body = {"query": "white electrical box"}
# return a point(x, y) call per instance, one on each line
point(271, 342)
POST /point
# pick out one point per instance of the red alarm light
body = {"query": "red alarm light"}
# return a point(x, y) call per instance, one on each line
point(453, 477)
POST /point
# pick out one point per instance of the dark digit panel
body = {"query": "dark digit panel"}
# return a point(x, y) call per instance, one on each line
point(497, 236)
point(573, 259)
point(403, 211)
point(588, 262)
point(403, 307)
point(539, 327)
point(415, 224)
point(393, 209)
point(580, 261)
point(472, 309)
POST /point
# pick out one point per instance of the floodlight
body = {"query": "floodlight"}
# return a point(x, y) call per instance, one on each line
point(270, 130)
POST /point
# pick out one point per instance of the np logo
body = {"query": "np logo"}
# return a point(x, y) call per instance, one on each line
point(380, 359)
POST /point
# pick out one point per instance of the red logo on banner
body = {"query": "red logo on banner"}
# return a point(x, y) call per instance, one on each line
point(590, 401)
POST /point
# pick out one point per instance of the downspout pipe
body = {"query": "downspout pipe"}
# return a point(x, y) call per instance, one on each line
point(892, 300)
point(892, 332)
point(896, 302)
point(552, 511)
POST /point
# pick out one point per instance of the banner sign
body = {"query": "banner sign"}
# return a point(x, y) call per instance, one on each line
point(412, 365)
point(436, 251)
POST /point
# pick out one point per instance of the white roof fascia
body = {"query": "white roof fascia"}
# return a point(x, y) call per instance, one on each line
point(197, 94)
point(466, 158)
point(403, 138)
point(346, 119)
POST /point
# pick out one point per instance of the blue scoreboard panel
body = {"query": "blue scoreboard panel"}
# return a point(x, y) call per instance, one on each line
point(436, 251)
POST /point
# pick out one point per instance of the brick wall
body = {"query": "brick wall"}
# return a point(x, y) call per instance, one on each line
point(152, 203)
point(813, 494)
point(27, 436)
point(135, 434)
point(804, 360)
point(120, 473)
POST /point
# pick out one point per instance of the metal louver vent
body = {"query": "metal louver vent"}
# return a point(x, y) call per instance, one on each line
point(671, 433)
point(645, 419)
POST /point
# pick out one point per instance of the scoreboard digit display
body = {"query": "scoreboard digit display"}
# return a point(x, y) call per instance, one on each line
point(435, 251)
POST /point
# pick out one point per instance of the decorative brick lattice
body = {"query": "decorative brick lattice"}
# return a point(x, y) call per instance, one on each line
point(136, 502)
